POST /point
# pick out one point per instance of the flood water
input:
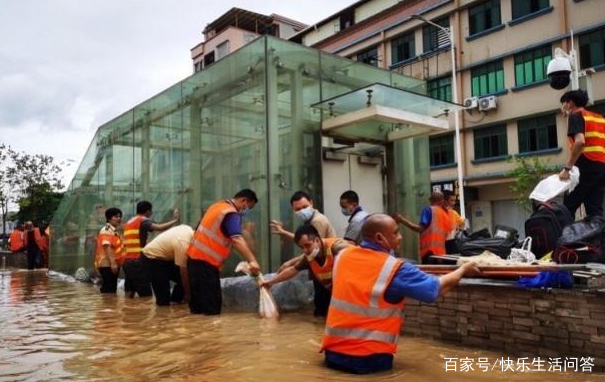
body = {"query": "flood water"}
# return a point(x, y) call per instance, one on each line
point(53, 328)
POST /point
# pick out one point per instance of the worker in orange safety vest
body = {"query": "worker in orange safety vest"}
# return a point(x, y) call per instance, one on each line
point(16, 240)
point(369, 287)
point(586, 134)
point(219, 229)
point(318, 257)
point(136, 233)
point(109, 251)
point(434, 226)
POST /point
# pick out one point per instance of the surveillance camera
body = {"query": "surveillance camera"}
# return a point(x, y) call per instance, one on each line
point(559, 70)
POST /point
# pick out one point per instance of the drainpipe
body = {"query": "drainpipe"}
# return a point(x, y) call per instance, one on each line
point(383, 50)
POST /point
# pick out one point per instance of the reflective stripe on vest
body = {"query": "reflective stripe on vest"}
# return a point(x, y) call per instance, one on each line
point(209, 243)
point(362, 334)
point(594, 136)
point(116, 245)
point(360, 322)
point(215, 237)
point(132, 237)
point(381, 283)
point(364, 311)
point(323, 273)
point(432, 239)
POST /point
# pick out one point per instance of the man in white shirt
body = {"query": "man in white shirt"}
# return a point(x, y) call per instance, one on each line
point(165, 260)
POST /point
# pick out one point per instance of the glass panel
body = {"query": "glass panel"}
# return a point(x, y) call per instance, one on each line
point(519, 75)
point(294, 143)
point(376, 129)
point(235, 124)
point(529, 73)
point(225, 116)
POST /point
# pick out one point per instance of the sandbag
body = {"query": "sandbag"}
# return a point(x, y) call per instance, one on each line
point(552, 186)
point(267, 308)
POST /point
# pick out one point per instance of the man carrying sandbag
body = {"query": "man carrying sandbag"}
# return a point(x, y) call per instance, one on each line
point(586, 133)
point(218, 230)
point(318, 257)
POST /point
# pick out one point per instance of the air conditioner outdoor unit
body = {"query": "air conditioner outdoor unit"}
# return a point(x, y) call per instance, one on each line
point(487, 103)
point(471, 103)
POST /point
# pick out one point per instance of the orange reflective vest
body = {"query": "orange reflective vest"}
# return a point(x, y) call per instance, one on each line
point(360, 322)
point(323, 273)
point(132, 237)
point(111, 237)
point(432, 239)
point(209, 243)
point(594, 136)
point(37, 238)
point(17, 241)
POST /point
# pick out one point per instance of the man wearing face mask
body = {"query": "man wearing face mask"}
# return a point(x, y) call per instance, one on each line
point(368, 292)
point(318, 258)
point(586, 133)
point(302, 205)
point(349, 205)
point(218, 230)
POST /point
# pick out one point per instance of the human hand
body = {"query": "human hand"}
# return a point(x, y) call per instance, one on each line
point(266, 284)
point(254, 267)
point(176, 214)
point(114, 268)
point(470, 270)
point(277, 227)
point(398, 218)
point(564, 175)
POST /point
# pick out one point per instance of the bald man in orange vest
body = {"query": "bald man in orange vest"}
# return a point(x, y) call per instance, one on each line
point(434, 226)
point(368, 291)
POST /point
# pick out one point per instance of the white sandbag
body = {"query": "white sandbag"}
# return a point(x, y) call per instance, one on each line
point(267, 308)
point(552, 186)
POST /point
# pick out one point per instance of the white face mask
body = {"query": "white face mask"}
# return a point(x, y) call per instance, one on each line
point(313, 254)
point(305, 214)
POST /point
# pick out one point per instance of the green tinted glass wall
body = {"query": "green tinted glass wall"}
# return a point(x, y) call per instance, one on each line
point(245, 121)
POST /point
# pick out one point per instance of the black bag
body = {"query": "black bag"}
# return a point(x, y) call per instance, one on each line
point(581, 242)
point(470, 246)
point(545, 226)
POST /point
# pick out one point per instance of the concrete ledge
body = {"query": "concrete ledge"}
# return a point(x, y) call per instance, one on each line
point(521, 322)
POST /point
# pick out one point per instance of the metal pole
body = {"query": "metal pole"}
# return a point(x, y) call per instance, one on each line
point(457, 126)
point(450, 34)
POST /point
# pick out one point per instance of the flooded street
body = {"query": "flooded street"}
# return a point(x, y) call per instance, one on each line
point(53, 328)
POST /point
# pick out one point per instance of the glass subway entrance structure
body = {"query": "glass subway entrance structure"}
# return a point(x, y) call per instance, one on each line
point(258, 118)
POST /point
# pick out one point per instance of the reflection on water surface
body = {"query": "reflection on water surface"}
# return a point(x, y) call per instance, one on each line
point(53, 328)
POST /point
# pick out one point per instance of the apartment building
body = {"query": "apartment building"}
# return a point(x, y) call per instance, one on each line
point(502, 48)
point(236, 28)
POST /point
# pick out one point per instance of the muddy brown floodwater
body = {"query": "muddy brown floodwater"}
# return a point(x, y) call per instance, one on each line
point(53, 328)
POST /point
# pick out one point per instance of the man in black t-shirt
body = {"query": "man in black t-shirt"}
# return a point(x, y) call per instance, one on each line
point(586, 133)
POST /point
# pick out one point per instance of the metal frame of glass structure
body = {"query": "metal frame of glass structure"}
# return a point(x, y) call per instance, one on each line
point(244, 122)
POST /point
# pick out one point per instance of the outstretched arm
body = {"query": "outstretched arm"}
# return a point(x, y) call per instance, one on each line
point(411, 225)
point(284, 275)
point(449, 281)
point(240, 245)
point(277, 227)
